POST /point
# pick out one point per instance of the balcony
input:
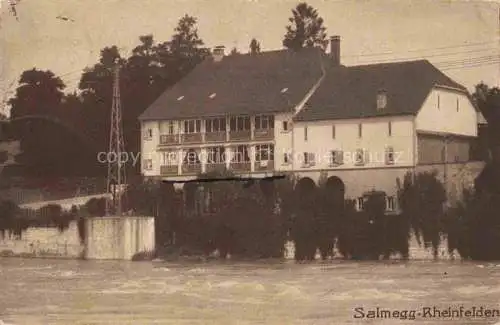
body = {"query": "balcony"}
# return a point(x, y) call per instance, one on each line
point(245, 166)
point(166, 139)
point(241, 135)
point(264, 134)
point(264, 165)
point(191, 137)
point(191, 169)
point(212, 167)
point(169, 170)
point(215, 136)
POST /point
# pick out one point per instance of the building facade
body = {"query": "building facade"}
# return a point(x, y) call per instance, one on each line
point(304, 112)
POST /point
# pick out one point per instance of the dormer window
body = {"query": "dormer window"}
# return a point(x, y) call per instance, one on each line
point(381, 100)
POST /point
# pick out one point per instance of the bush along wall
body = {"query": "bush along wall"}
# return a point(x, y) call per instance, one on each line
point(14, 220)
point(422, 197)
point(253, 220)
point(473, 227)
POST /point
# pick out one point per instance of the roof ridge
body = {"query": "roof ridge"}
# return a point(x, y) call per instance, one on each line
point(389, 63)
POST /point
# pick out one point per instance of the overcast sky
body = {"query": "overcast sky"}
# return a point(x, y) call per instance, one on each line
point(461, 37)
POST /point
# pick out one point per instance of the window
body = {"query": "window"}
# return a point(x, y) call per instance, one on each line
point(336, 157)
point(389, 128)
point(148, 134)
point(216, 155)
point(360, 130)
point(305, 133)
point(148, 164)
point(215, 125)
point(333, 132)
point(264, 122)
point(389, 156)
point(264, 152)
point(360, 203)
point(286, 158)
point(438, 101)
point(167, 128)
point(360, 157)
point(170, 158)
point(390, 203)
point(381, 100)
point(171, 127)
point(309, 159)
point(458, 104)
point(239, 123)
point(191, 158)
point(240, 154)
point(192, 126)
point(285, 125)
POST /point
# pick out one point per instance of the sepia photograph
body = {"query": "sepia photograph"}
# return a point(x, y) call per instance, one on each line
point(241, 162)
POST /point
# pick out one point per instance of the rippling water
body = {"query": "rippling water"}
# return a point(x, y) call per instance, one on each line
point(41, 291)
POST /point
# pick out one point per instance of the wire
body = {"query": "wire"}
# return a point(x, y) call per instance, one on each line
point(495, 42)
point(416, 58)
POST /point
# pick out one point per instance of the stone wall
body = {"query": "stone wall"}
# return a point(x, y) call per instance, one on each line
point(417, 252)
point(43, 242)
point(119, 237)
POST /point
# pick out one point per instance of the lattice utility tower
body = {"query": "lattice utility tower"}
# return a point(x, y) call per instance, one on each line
point(116, 168)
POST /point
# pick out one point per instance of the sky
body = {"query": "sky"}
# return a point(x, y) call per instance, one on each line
point(462, 38)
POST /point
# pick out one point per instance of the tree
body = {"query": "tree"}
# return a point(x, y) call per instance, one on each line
point(185, 49)
point(421, 198)
point(96, 85)
point(41, 101)
point(306, 29)
point(39, 92)
point(488, 102)
point(254, 46)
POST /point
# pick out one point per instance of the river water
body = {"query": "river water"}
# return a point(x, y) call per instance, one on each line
point(43, 291)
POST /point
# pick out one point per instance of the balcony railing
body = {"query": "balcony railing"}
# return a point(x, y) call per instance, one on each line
point(191, 169)
point(169, 139)
point(211, 167)
point(241, 135)
point(169, 170)
point(215, 136)
point(264, 165)
point(191, 137)
point(241, 166)
point(263, 134)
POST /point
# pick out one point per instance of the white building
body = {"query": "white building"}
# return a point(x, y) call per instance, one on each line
point(304, 112)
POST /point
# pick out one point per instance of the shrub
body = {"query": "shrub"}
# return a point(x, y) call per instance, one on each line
point(422, 197)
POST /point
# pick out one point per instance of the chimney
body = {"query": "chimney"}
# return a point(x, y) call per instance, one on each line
point(335, 49)
point(218, 53)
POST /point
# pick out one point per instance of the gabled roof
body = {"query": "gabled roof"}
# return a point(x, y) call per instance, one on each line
point(351, 92)
point(267, 82)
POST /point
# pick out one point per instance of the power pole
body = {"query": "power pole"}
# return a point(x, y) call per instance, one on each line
point(116, 168)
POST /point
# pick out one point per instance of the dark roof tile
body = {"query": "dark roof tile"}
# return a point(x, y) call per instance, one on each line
point(242, 84)
point(351, 92)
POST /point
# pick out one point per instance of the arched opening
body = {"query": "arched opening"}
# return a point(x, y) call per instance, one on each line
point(305, 185)
point(332, 207)
point(335, 190)
point(304, 224)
